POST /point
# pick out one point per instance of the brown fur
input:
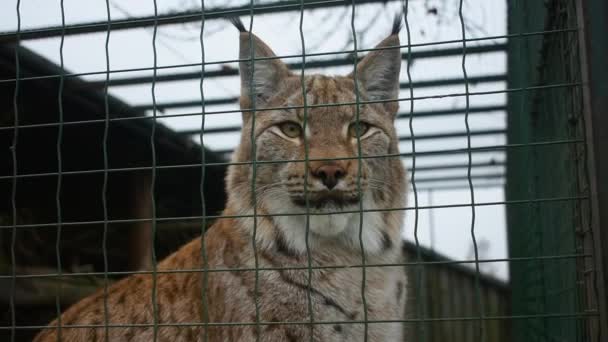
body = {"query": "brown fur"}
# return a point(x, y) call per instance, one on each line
point(284, 295)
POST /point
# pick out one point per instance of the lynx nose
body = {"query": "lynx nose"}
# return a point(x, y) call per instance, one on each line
point(329, 174)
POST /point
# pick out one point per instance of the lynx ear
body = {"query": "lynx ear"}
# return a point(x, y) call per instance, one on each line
point(267, 73)
point(378, 72)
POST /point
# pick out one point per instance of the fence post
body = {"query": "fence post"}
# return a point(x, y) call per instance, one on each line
point(593, 25)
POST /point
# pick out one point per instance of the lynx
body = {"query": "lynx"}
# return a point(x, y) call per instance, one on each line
point(305, 270)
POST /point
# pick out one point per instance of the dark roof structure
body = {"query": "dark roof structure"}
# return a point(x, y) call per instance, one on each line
point(83, 110)
point(76, 184)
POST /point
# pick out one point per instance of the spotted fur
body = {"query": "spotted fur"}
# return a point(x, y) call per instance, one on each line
point(285, 288)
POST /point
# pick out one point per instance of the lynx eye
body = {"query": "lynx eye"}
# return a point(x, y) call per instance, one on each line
point(355, 131)
point(291, 129)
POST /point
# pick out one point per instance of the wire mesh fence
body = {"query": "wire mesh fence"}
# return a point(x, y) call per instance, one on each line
point(96, 189)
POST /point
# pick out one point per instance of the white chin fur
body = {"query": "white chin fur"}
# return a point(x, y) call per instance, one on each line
point(342, 228)
point(332, 224)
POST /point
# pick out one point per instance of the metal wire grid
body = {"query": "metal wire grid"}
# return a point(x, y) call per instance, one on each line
point(480, 318)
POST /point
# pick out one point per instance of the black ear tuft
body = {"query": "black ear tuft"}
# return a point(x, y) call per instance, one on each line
point(236, 21)
point(397, 24)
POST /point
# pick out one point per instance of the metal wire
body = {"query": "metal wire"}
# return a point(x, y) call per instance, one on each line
point(104, 189)
point(428, 97)
point(420, 310)
point(254, 166)
point(575, 315)
point(334, 62)
point(153, 180)
point(514, 90)
point(306, 167)
point(235, 128)
point(480, 318)
point(189, 65)
point(183, 17)
point(211, 217)
point(480, 109)
point(205, 275)
point(221, 164)
point(359, 170)
point(59, 178)
point(480, 149)
point(13, 149)
point(234, 100)
point(479, 300)
point(295, 268)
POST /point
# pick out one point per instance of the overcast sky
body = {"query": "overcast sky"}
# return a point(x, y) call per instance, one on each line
point(325, 30)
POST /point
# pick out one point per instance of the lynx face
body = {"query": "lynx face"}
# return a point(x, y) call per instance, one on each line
point(331, 132)
point(334, 179)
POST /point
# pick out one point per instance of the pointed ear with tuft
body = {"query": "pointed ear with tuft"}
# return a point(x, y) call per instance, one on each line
point(267, 73)
point(378, 73)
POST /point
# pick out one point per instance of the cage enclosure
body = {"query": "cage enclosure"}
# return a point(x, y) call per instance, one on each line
point(118, 122)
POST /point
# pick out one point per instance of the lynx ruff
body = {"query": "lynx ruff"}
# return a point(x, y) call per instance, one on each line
point(220, 304)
